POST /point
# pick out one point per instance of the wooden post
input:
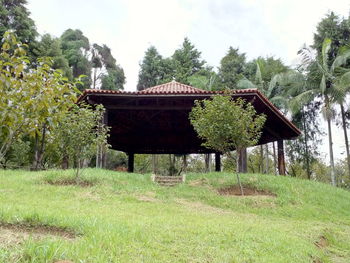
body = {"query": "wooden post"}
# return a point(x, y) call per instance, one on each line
point(130, 162)
point(207, 162)
point(104, 148)
point(242, 161)
point(155, 164)
point(217, 162)
point(281, 162)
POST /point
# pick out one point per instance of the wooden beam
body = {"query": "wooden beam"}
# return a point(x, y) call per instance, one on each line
point(130, 162)
point(281, 162)
point(217, 162)
point(242, 161)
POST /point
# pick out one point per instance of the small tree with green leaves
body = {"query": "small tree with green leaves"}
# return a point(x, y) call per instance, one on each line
point(79, 134)
point(32, 100)
point(226, 124)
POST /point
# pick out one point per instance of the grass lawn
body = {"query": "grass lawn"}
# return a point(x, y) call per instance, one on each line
point(120, 217)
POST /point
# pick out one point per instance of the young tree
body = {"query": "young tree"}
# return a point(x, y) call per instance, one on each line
point(31, 101)
point(79, 133)
point(226, 124)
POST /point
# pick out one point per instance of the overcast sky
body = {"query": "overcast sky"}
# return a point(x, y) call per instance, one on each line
point(259, 28)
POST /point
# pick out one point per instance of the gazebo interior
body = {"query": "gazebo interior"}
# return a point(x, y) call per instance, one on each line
point(156, 120)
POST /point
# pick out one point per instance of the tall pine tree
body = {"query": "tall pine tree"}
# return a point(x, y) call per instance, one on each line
point(186, 61)
point(232, 68)
point(150, 73)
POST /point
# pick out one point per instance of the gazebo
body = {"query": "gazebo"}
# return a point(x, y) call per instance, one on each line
point(156, 120)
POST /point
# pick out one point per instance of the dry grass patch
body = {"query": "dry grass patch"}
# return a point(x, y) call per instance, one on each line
point(247, 190)
point(14, 234)
point(198, 206)
point(71, 181)
point(147, 197)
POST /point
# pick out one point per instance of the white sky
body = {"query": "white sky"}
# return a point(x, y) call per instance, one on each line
point(129, 27)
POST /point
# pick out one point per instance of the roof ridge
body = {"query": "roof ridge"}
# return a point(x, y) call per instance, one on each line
point(171, 84)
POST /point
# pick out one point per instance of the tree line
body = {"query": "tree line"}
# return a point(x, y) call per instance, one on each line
point(72, 52)
point(317, 87)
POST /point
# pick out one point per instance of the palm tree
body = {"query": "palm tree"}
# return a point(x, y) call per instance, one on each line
point(329, 89)
point(273, 91)
point(342, 82)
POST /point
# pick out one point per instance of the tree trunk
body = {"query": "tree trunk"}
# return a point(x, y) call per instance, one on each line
point(239, 151)
point(261, 159)
point(274, 158)
point(171, 164)
point(65, 163)
point(280, 156)
point(331, 157)
point(345, 136)
point(94, 80)
point(306, 148)
point(131, 158)
point(207, 162)
point(39, 151)
point(217, 162)
point(267, 158)
point(155, 164)
point(184, 163)
point(242, 160)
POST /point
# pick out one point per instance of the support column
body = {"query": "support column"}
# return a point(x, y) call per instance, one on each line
point(281, 162)
point(242, 161)
point(207, 160)
point(130, 162)
point(217, 162)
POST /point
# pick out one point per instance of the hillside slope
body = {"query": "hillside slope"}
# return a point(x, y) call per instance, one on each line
point(120, 217)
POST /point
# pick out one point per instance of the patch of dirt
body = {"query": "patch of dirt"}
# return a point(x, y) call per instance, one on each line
point(14, 234)
point(148, 197)
point(322, 242)
point(201, 207)
point(89, 195)
point(247, 190)
point(199, 182)
point(72, 182)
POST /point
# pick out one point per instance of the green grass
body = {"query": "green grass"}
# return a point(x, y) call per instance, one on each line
point(124, 217)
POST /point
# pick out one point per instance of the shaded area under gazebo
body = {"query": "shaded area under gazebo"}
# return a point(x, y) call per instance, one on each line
point(155, 120)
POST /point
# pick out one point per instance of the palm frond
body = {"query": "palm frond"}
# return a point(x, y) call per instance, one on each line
point(343, 81)
point(340, 60)
point(246, 84)
point(258, 75)
point(323, 85)
point(307, 54)
point(296, 103)
point(326, 46)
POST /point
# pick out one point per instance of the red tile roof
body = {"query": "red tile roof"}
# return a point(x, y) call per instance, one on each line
point(176, 88)
point(173, 87)
point(170, 88)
